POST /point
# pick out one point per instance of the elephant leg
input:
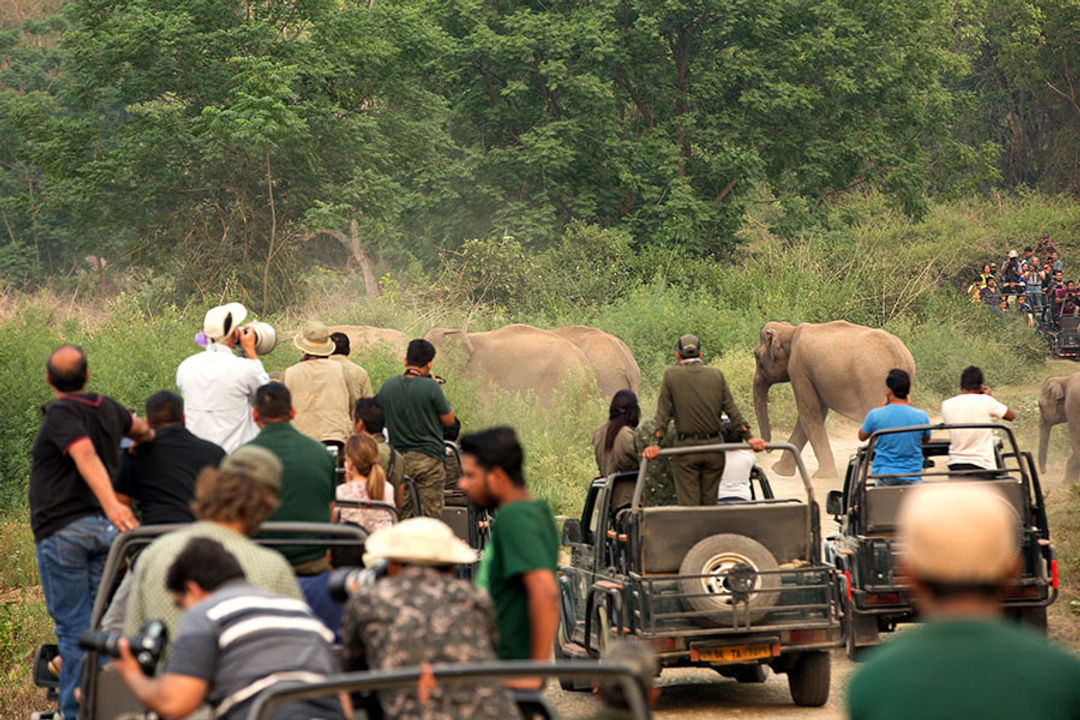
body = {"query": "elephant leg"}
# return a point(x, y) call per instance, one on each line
point(786, 464)
point(813, 423)
point(1072, 469)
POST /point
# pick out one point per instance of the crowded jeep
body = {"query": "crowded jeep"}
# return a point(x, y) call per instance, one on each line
point(734, 586)
point(876, 598)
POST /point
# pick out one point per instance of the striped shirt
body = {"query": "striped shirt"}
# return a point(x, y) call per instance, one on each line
point(242, 639)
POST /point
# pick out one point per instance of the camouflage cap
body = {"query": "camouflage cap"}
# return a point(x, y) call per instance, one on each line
point(256, 462)
point(689, 346)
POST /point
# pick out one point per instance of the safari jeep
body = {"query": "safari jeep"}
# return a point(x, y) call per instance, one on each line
point(732, 586)
point(876, 600)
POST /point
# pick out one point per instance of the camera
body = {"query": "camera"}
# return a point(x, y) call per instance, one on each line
point(146, 646)
point(345, 582)
point(265, 336)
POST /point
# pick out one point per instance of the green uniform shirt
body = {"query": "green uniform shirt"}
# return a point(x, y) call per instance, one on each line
point(695, 395)
point(412, 406)
point(308, 483)
point(951, 669)
point(522, 540)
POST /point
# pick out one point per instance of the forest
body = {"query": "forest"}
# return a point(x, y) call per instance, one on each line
point(191, 147)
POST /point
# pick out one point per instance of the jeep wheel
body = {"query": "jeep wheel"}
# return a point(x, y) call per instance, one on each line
point(809, 677)
point(729, 573)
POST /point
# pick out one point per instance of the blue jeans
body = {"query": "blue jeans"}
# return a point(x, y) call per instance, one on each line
point(314, 588)
point(70, 562)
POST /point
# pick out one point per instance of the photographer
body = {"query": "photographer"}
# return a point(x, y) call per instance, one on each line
point(218, 387)
point(420, 613)
point(233, 641)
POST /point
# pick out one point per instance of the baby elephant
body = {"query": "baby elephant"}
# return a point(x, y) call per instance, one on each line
point(1059, 401)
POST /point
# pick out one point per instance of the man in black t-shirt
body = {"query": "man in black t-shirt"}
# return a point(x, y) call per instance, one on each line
point(74, 512)
point(160, 476)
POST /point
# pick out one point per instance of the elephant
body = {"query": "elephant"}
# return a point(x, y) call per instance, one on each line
point(516, 358)
point(831, 366)
point(608, 356)
point(364, 339)
point(1059, 401)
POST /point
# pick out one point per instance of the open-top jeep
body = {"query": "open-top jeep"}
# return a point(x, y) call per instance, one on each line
point(733, 586)
point(865, 552)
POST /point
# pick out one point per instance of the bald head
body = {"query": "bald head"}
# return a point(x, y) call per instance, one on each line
point(66, 368)
point(959, 534)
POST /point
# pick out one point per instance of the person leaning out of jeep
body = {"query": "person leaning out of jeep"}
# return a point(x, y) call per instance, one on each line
point(696, 395)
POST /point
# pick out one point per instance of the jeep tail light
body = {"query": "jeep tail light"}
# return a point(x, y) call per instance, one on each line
point(809, 636)
point(886, 598)
point(663, 644)
point(1022, 592)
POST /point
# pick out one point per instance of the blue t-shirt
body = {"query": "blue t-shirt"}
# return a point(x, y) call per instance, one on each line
point(897, 452)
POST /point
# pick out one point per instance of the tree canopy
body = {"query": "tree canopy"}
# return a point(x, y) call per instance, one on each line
point(219, 142)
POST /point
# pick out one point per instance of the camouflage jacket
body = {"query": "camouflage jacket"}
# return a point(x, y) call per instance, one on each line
point(659, 478)
point(426, 616)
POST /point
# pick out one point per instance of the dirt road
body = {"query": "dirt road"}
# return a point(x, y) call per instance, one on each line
point(697, 694)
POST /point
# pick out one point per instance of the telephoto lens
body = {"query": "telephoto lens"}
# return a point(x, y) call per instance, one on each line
point(265, 337)
point(146, 646)
point(344, 583)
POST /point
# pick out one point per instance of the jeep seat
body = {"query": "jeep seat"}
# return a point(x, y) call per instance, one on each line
point(666, 534)
point(883, 503)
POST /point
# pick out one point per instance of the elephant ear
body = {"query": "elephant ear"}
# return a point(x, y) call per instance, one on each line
point(775, 346)
point(1055, 389)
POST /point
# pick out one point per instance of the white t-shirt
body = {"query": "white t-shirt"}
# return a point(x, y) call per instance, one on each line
point(735, 482)
point(972, 446)
point(219, 390)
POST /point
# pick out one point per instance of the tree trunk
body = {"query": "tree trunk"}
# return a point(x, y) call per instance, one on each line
point(359, 252)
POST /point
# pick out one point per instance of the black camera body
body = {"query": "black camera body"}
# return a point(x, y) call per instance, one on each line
point(342, 584)
point(146, 646)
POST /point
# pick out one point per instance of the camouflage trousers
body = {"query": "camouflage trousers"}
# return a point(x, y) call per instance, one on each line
point(430, 476)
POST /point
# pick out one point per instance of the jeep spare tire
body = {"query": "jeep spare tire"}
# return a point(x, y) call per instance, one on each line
point(728, 572)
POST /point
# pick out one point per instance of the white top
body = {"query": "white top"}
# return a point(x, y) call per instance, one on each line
point(735, 482)
point(219, 390)
point(973, 447)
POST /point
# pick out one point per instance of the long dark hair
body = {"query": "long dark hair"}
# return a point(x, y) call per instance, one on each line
point(624, 411)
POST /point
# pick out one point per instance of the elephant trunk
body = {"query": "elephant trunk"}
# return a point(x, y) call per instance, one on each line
point(1044, 442)
point(761, 405)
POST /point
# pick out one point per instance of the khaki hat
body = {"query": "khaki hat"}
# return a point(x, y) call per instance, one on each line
point(689, 346)
point(418, 541)
point(220, 321)
point(256, 462)
point(314, 339)
point(958, 533)
point(1012, 253)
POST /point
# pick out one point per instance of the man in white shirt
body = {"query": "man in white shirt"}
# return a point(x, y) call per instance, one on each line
point(973, 449)
point(218, 386)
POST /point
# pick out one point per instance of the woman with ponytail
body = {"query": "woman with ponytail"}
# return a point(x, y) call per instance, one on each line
point(614, 440)
point(365, 481)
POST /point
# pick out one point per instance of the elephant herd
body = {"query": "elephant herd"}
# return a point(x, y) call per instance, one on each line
point(833, 366)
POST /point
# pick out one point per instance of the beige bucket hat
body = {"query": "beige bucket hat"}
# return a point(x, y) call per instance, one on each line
point(418, 541)
point(314, 339)
point(958, 533)
point(220, 321)
point(256, 462)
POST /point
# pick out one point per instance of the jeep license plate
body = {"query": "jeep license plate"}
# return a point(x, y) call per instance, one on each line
point(735, 653)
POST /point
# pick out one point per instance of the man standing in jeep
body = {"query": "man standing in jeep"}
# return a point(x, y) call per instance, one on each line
point(696, 396)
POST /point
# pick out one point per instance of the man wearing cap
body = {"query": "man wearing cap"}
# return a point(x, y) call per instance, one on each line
point(420, 613)
point(320, 394)
point(959, 552)
point(219, 387)
point(356, 377)
point(230, 503)
point(697, 397)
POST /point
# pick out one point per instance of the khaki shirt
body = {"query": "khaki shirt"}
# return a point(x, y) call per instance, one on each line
point(395, 475)
point(356, 380)
point(320, 397)
point(621, 456)
point(695, 395)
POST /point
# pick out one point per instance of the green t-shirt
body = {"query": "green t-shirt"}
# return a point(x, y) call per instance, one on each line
point(950, 669)
point(412, 406)
point(308, 483)
point(522, 540)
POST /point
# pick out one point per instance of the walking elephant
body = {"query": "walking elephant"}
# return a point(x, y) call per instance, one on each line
point(516, 358)
point(608, 356)
point(1059, 402)
point(831, 366)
